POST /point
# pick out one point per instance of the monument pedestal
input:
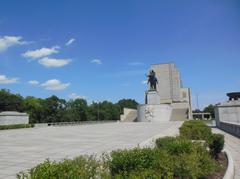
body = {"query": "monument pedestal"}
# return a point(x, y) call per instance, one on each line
point(152, 97)
point(153, 110)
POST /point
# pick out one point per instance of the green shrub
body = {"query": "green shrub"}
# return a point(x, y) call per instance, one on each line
point(216, 144)
point(80, 167)
point(16, 126)
point(126, 163)
point(143, 174)
point(174, 146)
point(198, 163)
point(188, 159)
point(172, 158)
point(195, 130)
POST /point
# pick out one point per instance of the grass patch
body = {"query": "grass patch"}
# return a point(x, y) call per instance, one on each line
point(16, 126)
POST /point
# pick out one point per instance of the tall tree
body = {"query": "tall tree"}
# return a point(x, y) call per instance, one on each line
point(210, 109)
point(33, 106)
point(127, 103)
point(10, 102)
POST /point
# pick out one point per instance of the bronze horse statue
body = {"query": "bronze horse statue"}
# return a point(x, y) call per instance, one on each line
point(152, 80)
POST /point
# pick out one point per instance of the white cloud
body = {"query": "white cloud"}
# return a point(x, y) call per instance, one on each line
point(96, 61)
point(52, 62)
point(75, 96)
point(39, 53)
point(55, 84)
point(6, 80)
point(135, 63)
point(70, 41)
point(144, 82)
point(33, 82)
point(8, 41)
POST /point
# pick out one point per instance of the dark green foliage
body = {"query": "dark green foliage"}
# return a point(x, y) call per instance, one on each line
point(198, 130)
point(127, 103)
point(80, 167)
point(10, 102)
point(34, 107)
point(146, 163)
point(173, 158)
point(195, 130)
point(175, 146)
point(189, 159)
point(210, 109)
point(129, 162)
point(16, 126)
point(103, 111)
point(197, 111)
point(54, 109)
point(216, 144)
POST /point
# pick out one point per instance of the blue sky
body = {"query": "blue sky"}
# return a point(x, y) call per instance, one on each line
point(102, 49)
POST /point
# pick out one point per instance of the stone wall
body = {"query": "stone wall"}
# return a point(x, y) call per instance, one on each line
point(13, 117)
point(227, 117)
point(231, 128)
point(129, 115)
point(154, 113)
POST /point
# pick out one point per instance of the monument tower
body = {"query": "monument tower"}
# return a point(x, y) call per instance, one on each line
point(165, 100)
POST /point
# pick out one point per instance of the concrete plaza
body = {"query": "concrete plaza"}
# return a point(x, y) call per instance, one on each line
point(21, 149)
point(232, 144)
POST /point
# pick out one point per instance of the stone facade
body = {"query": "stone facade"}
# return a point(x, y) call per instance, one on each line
point(129, 115)
point(152, 97)
point(171, 91)
point(13, 117)
point(154, 113)
point(170, 102)
point(153, 110)
point(227, 116)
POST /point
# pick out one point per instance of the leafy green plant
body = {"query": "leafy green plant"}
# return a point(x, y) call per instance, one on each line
point(16, 126)
point(188, 159)
point(195, 130)
point(175, 146)
point(171, 158)
point(126, 163)
point(80, 167)
point(216, 144)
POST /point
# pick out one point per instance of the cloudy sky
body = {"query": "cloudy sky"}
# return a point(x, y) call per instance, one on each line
point(102, 49)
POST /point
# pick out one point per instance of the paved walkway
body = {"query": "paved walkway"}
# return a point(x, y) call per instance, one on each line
point(21, 149)
point(232, 144)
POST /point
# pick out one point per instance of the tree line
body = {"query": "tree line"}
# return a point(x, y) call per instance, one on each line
point(54, 109)
point(207, 109)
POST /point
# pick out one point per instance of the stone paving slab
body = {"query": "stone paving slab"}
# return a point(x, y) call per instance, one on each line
point(232, 144)
point(22, 149)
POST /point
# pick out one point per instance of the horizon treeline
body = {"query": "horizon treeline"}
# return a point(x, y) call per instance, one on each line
point(54, 109)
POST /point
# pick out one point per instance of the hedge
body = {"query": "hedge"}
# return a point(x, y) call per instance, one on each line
point(216, 145)
point(193, 161)
point(198, 130)
point(16, 126)
point(195, 130)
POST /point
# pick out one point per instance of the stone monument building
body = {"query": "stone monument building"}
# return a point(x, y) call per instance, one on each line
point(171, 90)
point(170, 101)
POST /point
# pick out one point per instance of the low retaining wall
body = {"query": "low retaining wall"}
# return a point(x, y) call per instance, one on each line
point(231, 128)
point(230, 169)
point(13, 117)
